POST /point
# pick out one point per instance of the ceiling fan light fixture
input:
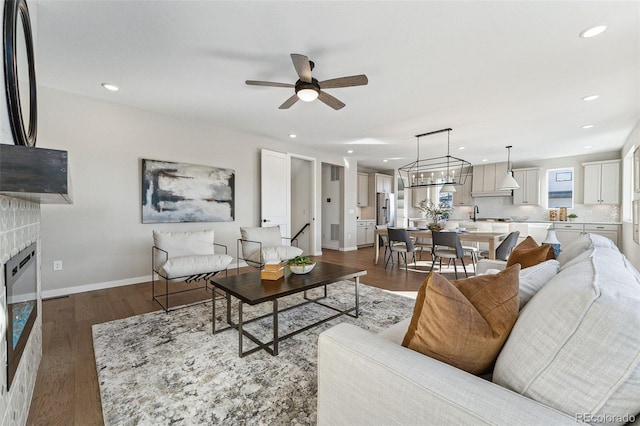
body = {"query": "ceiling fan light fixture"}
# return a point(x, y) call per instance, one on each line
point(307, 93)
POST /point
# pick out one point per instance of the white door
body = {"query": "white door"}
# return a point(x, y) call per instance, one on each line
point(275, 189)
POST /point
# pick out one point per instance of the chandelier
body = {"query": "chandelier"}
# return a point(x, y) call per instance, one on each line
point(447, 171)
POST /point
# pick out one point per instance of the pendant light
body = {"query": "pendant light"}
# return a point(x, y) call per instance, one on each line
point(508, 182)
point(445, 172)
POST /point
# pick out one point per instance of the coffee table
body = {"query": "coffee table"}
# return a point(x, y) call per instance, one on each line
point(251, 289)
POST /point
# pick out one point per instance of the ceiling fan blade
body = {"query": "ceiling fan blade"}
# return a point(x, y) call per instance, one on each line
point(330, 100)
point(302, 66)
point(352, 80)
point(268, 83)
point(289, 102)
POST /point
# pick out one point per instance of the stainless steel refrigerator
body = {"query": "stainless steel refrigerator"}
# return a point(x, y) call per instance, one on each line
point(385, 209)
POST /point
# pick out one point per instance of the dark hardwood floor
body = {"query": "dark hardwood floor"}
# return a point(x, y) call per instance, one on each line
point(66, 391)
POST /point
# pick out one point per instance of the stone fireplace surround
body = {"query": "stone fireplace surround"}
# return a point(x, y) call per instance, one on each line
point(19, 227)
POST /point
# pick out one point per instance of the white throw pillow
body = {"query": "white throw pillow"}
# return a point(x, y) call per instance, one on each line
point(194, 265)
point(532, 279)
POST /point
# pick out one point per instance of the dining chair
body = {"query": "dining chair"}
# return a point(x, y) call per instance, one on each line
point(447, 245)
point(506, 246)
point(400, 243)
point(383, 241)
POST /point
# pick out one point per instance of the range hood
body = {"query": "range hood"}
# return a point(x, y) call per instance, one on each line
point(35, 174)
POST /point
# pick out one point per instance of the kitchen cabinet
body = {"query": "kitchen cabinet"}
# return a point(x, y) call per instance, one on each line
point(384, 183)
point(429, 193)
point(486, 178)
point(606, 230)
point(363, 190)
point(568, 232)
point(529, 191)
point(364, 232)
point(462, 196)
point(602, 182)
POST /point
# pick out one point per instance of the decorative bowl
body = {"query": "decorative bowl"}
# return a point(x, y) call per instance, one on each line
point(302, 269)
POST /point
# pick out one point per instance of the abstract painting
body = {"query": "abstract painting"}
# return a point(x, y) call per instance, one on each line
point(178, 192)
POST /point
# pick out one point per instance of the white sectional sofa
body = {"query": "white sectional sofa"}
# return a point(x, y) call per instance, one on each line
point(573, 356)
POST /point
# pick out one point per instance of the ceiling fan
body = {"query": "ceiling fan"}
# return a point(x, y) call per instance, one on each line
point(308, 88)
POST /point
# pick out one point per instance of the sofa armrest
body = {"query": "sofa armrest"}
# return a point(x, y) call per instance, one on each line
point(485, 264)
point(365, 379)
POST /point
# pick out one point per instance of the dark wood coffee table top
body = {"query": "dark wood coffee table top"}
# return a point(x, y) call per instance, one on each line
point(252, 290)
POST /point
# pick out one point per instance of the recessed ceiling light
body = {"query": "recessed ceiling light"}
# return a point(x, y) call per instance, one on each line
point(461, 148)
point(293, 135)
point(593, 31)
point(587, 126)
point(484, 160)
point(590, 98)
point(110, 87)
point(349, 151)
point(588, 146)
point(385, 160)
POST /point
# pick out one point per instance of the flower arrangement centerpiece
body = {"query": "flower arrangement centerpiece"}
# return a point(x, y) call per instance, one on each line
point(435, 212)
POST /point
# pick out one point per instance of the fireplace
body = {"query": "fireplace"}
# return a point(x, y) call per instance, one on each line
point(22, 305)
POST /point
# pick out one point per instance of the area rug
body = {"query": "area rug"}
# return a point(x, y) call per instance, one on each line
point(168, 369)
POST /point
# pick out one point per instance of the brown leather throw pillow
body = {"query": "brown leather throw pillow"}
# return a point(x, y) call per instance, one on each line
point(464, 322)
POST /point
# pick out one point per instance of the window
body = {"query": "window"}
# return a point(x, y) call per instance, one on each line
point(560, 188)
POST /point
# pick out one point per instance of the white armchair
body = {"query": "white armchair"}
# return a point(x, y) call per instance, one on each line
point(259, 245)
point(185, 256)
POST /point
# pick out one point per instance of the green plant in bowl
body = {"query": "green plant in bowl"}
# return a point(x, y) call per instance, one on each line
point(301, 264)
point(572, 216)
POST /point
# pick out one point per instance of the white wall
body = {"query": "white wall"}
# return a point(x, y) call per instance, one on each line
point(100, 238)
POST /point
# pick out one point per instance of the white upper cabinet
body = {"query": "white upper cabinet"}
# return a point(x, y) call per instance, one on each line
point(383, 183)
point(486, 178)
point(529, 191)
point(363, 190)
point(602, 182)
point(462, 196)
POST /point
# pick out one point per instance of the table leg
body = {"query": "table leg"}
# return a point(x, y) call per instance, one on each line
point(376, 243)
point(228, 308)
point(275, 327)
point(357, 298)
point(213, 311)
point(492, 248)
point(240, 332)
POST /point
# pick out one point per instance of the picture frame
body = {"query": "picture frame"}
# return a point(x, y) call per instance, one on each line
point(180, 192)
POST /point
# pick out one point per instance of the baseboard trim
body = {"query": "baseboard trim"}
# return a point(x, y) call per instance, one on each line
point(348, 248)
point(48, 294)
point(61, 292)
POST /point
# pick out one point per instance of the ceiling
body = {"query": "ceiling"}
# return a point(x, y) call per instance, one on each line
point(498, 73)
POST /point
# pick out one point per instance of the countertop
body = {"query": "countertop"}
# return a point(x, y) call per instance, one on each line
point(577, 222)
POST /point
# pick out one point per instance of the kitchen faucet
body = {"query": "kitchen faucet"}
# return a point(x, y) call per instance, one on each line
point(475, 210)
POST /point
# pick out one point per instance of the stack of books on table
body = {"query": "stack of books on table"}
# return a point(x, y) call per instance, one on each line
point(272, 271)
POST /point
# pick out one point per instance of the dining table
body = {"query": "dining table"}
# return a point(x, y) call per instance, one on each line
point(492, 238)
